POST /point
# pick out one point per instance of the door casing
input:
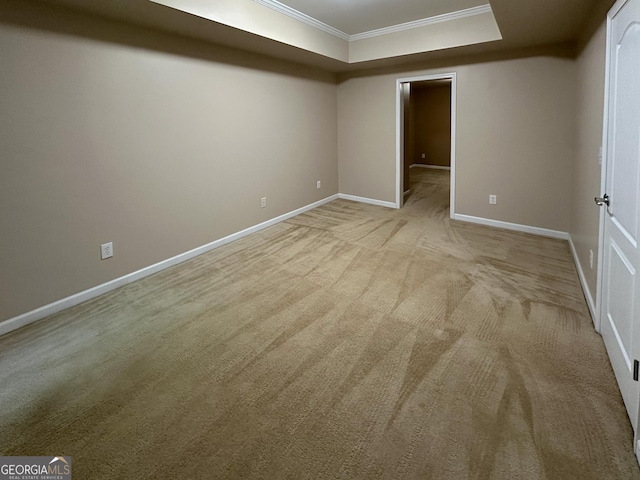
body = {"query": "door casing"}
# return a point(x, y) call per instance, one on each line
point(400, 134)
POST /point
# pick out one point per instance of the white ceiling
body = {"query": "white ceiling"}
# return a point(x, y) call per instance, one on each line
point(358, 16)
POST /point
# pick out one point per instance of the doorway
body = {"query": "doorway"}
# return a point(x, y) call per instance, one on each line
point(426, 152)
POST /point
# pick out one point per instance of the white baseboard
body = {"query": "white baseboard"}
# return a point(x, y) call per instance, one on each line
point(543, 232)
point(68, 302)
point(583, 282)
point(370, 201)
point(433, 167)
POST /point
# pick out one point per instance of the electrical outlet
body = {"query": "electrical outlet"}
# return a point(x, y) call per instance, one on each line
point(263, 202)
point(493, 199)
point(424, 155)
point(591, 259)
point(106, 250)
point(318, 184)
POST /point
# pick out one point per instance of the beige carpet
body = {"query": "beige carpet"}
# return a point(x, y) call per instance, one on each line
point(351, 342)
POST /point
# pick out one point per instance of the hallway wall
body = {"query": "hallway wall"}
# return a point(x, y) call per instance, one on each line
point(432, 124)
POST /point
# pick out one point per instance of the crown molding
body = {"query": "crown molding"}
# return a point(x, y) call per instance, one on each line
point(293, 13)
point(445, 17)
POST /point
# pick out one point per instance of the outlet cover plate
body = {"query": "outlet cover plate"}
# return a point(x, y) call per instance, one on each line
point(106, 250)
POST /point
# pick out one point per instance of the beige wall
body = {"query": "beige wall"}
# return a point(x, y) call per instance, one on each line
point(157, 152)
point(586, 169)
point(515, 128)
point(432, 120)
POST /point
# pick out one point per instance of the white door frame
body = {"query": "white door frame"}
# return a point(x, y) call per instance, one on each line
point(603, 170)
point(400, 134)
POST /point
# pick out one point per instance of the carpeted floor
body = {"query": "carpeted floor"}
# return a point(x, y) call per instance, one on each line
point(350, 342)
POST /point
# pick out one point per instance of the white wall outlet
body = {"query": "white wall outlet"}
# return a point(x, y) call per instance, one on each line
point(318, 184)
point(106, 250)
point(424, 155)
point(263, 202)
point(591, 259)
point(493, 199)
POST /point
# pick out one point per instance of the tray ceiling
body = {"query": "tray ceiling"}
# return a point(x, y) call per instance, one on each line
point(358, 16)
point(251, 26)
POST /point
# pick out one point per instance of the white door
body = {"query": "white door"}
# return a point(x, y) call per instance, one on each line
point(620, 301)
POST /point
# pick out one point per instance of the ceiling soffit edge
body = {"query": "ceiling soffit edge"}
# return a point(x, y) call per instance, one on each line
point(293, 13)
point(445, 17)
point(304, 18)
